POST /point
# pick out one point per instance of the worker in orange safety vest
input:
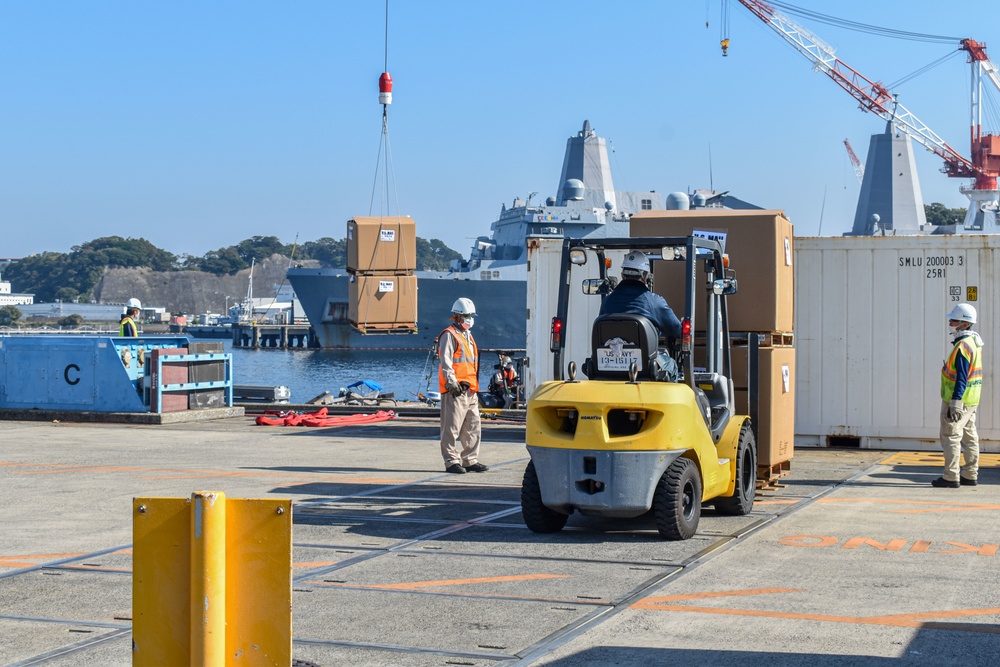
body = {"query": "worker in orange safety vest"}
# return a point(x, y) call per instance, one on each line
point(458, 376)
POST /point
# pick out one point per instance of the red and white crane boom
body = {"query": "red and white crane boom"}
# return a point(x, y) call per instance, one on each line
point(984, 166)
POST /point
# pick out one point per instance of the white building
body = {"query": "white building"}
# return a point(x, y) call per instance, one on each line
point(7, 298)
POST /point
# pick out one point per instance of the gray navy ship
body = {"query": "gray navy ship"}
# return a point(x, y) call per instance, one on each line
point(495, 274)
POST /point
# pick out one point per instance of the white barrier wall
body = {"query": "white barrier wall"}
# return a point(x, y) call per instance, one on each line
point(871, 335)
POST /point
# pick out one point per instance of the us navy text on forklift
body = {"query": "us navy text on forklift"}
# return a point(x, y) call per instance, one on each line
point(625, 442)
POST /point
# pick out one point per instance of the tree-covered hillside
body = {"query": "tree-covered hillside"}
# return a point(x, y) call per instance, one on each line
point(72, 276)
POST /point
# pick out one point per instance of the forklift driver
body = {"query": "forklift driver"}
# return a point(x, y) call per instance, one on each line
point(632, 295)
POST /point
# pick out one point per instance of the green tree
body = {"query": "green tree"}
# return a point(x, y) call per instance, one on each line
point(261, 247)
point(327, 251)
point(434, 255)
point(117, 252)
point(71, 321)
point(9, 315)
point(937, 214)
point(65, 294)
point(224, 261)
point(52, 276)
point(40, 274)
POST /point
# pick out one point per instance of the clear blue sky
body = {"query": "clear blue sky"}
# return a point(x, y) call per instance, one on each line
point(198, 124)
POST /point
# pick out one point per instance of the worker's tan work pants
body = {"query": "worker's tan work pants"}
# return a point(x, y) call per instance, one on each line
point(960, 437)
point(460, 426)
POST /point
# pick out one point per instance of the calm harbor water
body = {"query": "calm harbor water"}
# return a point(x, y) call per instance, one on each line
point(308, 373)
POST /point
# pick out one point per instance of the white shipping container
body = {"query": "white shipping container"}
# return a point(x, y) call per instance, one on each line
point(544, 276)
point(871, 335)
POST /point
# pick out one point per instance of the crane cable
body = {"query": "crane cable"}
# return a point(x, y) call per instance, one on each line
point(388, 172)
point(383, 146)
point(863, 27)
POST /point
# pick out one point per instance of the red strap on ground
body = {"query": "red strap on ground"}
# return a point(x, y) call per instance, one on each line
point(321, 418)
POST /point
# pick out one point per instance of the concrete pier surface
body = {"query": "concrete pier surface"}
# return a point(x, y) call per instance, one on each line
point(854, 559)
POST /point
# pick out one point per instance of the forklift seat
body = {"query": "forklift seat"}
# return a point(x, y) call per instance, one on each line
point(618, 340)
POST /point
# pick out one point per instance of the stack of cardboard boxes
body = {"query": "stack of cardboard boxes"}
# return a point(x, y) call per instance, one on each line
point(759, 245)
point(381, 258)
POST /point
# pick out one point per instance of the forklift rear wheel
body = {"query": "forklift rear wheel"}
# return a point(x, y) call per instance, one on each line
point(677, 500)
point(741, 502)
point(538, 517)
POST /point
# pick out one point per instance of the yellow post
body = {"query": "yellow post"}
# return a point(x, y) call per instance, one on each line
point(211, 581)
point(208, 578)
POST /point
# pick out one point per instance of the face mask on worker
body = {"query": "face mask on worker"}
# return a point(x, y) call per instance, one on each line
point(955, 329)
point(467, 322)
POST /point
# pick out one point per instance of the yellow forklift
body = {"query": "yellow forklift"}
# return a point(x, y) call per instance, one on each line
point(632, 439)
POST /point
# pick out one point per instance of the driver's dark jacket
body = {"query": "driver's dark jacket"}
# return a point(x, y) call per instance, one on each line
point(633, 297)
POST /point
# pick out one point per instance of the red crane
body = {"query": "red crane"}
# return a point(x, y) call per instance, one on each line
point(984, 165)
point(859, 169)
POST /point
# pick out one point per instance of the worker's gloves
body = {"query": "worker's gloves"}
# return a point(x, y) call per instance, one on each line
point(956, 409)
point(453, 388)
point(465, 386)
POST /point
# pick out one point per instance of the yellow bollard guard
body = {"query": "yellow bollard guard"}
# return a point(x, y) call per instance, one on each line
point(208, 578)
point(211, 581)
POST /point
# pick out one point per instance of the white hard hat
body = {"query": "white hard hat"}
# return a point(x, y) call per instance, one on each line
point(464, 306)
point(636, 261)
point(963, 312)
point(133, 303)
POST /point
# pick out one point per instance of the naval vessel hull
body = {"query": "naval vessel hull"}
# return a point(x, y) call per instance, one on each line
point(501, 322)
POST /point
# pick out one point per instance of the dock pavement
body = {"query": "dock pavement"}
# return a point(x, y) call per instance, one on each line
point(852, 559)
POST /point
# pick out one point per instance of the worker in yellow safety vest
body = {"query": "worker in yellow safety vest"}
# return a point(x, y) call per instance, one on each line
point(127, 327)
point(458, 376)
point(961, 386)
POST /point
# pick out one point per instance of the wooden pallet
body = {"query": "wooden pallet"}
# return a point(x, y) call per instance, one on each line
point(385, 328)
point(768, 476)
point(770, 339)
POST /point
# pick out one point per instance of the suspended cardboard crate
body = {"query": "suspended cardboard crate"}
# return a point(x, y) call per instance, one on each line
point(383, 303)
point(381, 244)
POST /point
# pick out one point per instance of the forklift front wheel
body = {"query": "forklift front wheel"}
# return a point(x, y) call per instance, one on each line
point(677, 500)
point(741, 502)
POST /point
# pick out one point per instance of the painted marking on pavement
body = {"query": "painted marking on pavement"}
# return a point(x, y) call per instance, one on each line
point(417, 585)
point(315, 563)
point(919, 546)
point(915, 620)
point(26, 560)
point(927, 506)
point(933, 459)
point(169, 473)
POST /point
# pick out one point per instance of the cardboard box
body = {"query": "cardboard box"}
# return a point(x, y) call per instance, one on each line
point(776, 400)
point(383, 301)
point(760, 248)
point(381, 244)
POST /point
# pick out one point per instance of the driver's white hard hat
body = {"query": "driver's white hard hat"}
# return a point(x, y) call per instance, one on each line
point(963, 312)
point(636, 261)
point(133, 303)
point(464, 306)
